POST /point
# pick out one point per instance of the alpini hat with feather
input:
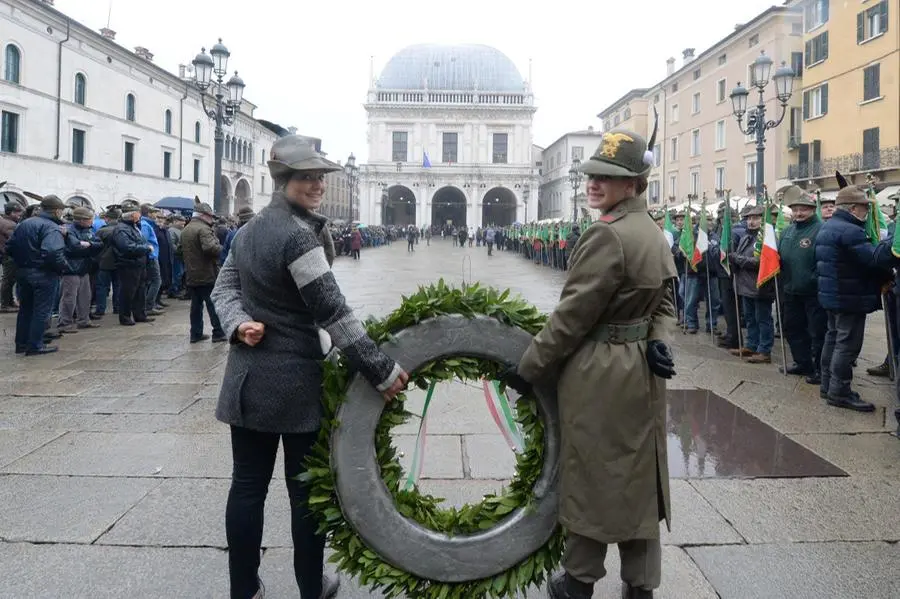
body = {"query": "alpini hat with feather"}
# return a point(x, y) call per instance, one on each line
point(622, 153)
point(295, 153)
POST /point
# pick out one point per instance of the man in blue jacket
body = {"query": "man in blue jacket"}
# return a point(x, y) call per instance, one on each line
point(38, 248)
point(851, 272)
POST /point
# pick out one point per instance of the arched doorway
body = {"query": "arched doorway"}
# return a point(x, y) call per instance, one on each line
point(242, 194)
point(13, 196)
point(399, 206)
point(226, 195)
point(448, 206)
point(498, 207)
point(79, 202)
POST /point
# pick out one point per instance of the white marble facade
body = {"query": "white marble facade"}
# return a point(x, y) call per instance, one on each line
point(469, 110)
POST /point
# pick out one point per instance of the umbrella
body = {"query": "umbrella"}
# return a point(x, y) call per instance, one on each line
point(176, 203)
point(359, 225)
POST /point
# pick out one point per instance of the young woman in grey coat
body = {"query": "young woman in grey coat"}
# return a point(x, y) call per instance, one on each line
point(275, 295)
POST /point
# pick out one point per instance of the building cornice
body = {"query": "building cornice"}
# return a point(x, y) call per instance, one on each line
point(628, 97)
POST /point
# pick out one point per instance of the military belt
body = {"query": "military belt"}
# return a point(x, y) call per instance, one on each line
point(621, 333)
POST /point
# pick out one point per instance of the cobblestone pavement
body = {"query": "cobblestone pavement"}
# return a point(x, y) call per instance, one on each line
point(114, 472)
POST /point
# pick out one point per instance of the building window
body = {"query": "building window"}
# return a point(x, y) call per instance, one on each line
point(616, 120)
point(871, 149)
point(721, 91)
point(129, 107)
point(80, 89)
point(751, 135)
point(249, 153)
point(674, 151)
point(398, 146)
point(815, 14)
point(10, 134)
point(501, 148)
point(449, 147)
point(674, 87)
point(262, 184)
point(263, 157)
point(674, 113)
point(815, 102)
point(872, 22)
point(167, 165)
point(695, 103)
point(696, 74)
point(720, 177)
point(695, 182)
point(751, 174)
point(797, 63)
point(695, 142)
point(578, 153)
point(168, 120)
point(234, 149)
point(796, 119)
point(78, 138)
point(754, 39)
point(196, 170)
point(627, 114)
point(653, 192)
point(226, 152)
point(197, 132)
point(720, 135)
point(656, 98)
point(816, 49)
point(129, 156)
point(723, 59)
point(13, 64)
point(673, 186)
point(657, 155)
point(872, 82)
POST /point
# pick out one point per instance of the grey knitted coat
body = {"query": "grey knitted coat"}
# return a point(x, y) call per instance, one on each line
point(277, 273)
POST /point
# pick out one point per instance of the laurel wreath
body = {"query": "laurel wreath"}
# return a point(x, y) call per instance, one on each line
point(349, 551)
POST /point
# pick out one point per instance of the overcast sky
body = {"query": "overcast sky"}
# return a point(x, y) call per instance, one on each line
point(306, 64)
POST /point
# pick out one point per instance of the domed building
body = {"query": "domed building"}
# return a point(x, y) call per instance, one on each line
point(450, 138)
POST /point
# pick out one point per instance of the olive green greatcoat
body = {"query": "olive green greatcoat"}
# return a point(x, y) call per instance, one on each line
point(614, 479)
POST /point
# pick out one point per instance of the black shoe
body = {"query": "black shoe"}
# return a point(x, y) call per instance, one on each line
point(199, 339)
point(145, 320)
point(163, 304)
point(882, 370)
point(95, 316)
point(850, 402)
point(127, 323)
point(330, 586)
point(814, 379)
point(630, 592)
point(219, 339)
point(563, 586)
point(47, 349)
point(796, 369)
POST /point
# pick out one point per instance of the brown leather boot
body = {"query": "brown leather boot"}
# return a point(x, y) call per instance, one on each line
point(741, 353)
point(760, 359)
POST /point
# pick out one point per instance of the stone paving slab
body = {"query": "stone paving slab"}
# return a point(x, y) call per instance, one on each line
point(15, 444)
point(59, 509)
point(95, 571)
point(802, 571)
point(809, 509)
point(872, 454)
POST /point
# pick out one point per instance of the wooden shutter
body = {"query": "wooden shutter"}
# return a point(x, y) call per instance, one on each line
point(884, 16)
point(803, 161)
point(815, 169)
point(824, 46)
point(806, 105)
point(807, 49)
point(825, 6)
point(824, 99)
point(860, 27)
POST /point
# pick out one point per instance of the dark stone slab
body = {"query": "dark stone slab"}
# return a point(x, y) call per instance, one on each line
point(710, 437)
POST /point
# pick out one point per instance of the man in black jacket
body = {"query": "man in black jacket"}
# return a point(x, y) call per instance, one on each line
point(130, 250)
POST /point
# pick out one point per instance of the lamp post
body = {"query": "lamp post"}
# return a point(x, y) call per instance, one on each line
point(352, 172)
point(756, 121)
point(225, 110)
point(526, 193)
point(384, 201)
point(575, 178)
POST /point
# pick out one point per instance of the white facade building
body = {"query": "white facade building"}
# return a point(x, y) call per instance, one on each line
point(557, 198)
point(467, 111)
point(94, 123)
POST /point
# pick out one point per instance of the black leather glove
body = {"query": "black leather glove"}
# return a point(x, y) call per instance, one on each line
point(512, 379)
point(660, 360)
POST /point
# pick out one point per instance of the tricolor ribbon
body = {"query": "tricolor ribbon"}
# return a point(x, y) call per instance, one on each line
point(415, 469)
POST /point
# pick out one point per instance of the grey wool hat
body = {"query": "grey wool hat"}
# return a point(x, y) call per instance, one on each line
point(294, 153)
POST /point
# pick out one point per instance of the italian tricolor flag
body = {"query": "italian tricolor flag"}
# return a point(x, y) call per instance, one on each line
point(702, 244)
point(769, 262)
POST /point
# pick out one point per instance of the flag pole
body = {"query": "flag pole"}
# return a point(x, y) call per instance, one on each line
point(780, 328)
point(710, 315)
point(737, 299)
point(884, 305)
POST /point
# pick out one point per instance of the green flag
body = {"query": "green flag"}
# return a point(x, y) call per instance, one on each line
point(725, 237)
point(669, 229)
point(686, 243)
point(780, 222)
point(876, 225)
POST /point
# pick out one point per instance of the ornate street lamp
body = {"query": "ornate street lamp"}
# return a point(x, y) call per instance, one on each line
point(757, 125)
point(210, 69)
point(352, 172)
point(575, 178)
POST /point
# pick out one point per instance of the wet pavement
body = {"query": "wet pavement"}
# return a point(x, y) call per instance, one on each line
point(114, 472)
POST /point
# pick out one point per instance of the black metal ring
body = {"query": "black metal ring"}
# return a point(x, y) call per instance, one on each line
point(366, 502)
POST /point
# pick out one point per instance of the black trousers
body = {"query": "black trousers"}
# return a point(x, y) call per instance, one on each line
point(726, 297)
point(804, 322)
point(254, 460)
point(132, 294)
